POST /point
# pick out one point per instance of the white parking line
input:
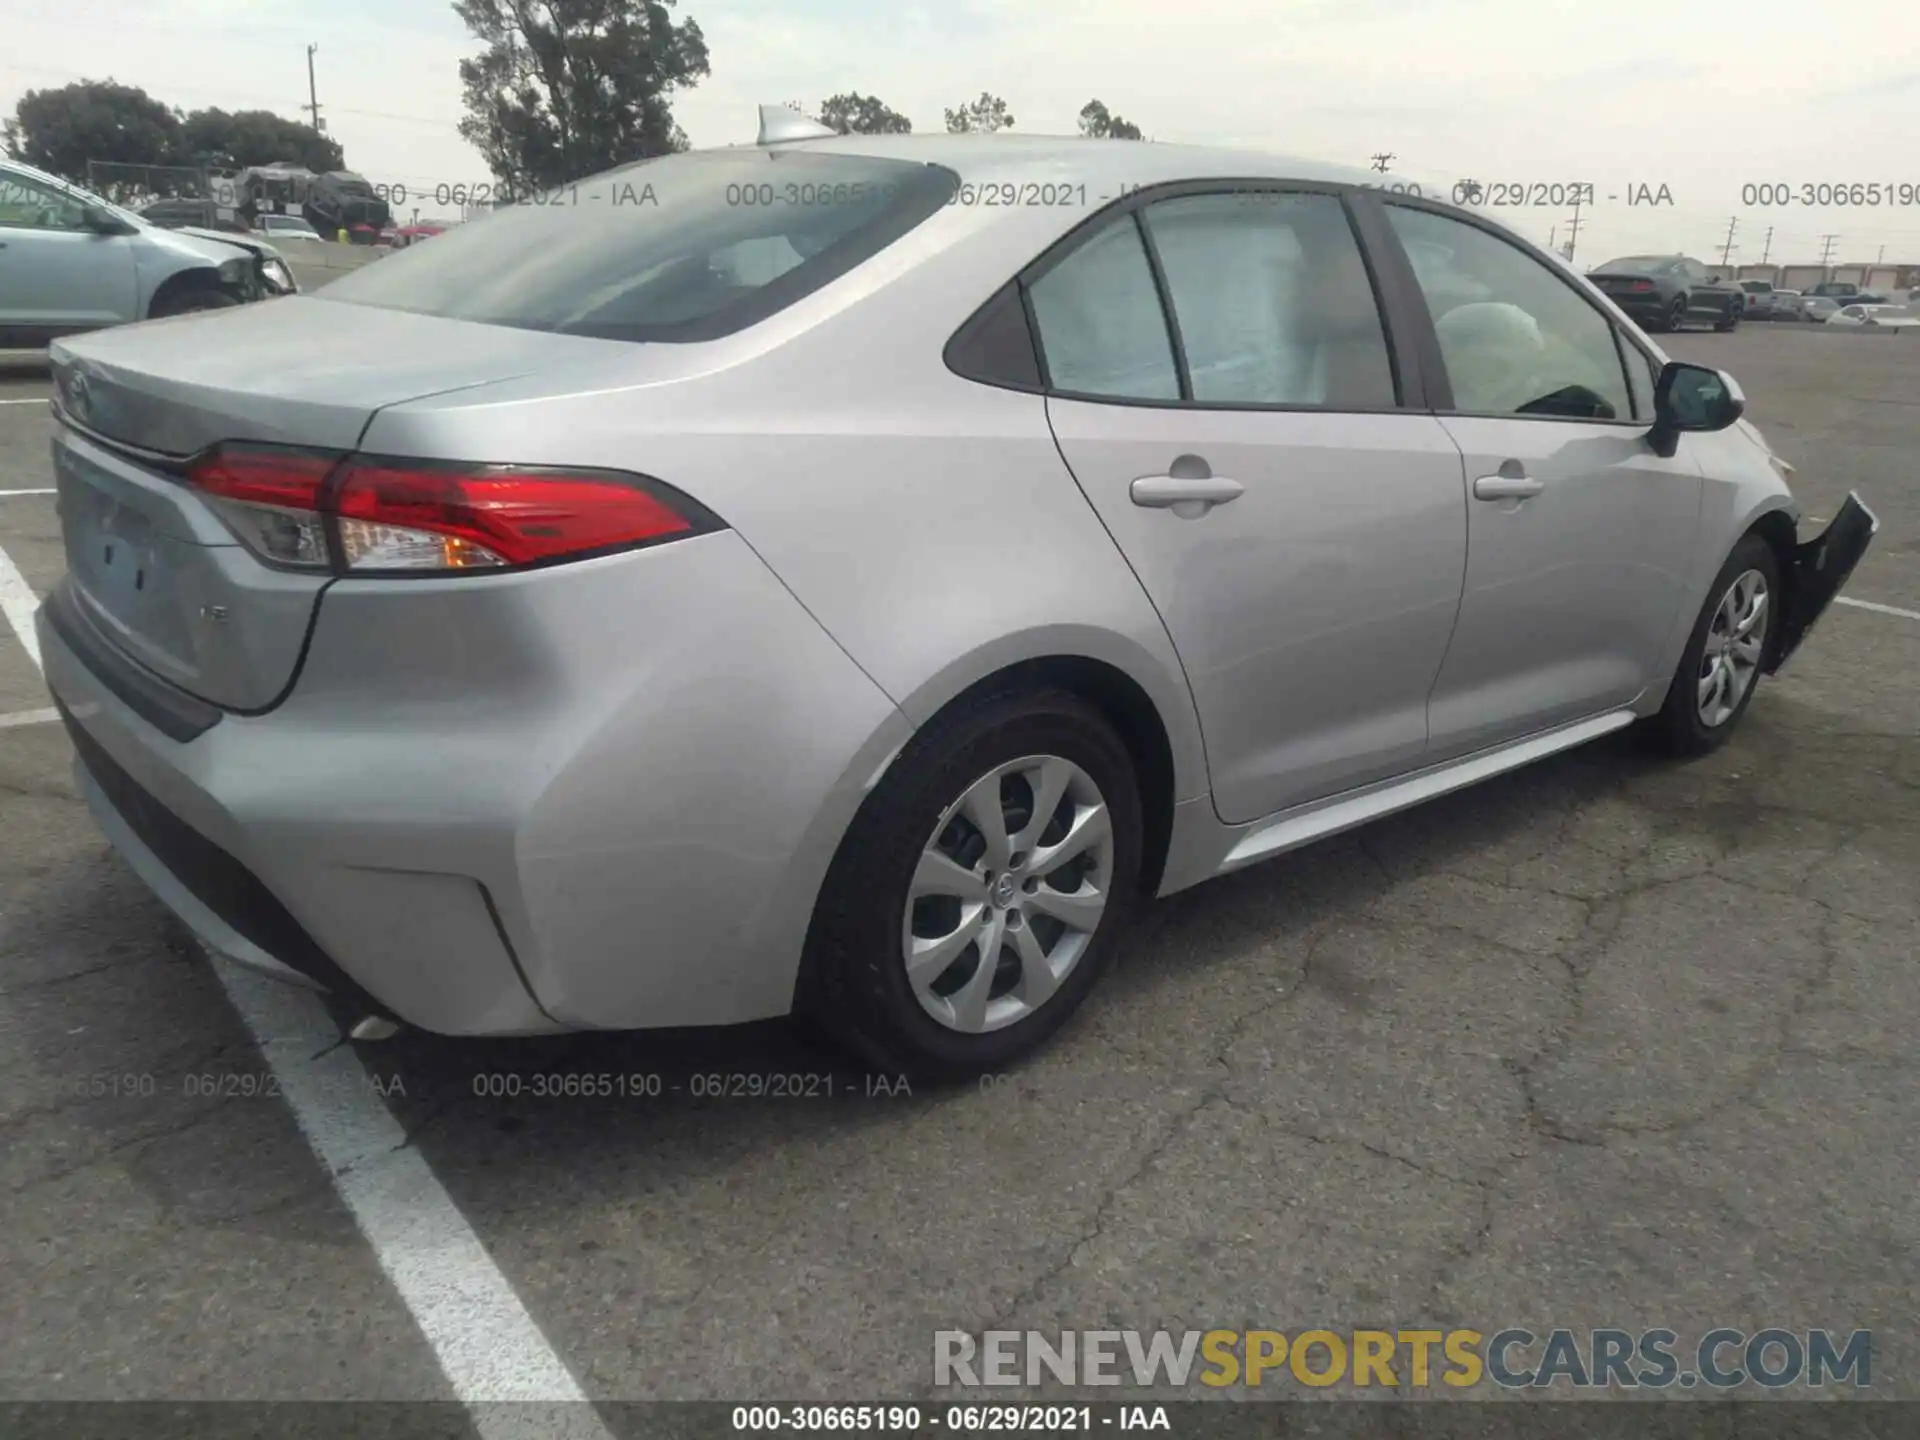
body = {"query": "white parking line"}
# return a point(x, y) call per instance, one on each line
point(1877, 608)
point(486, 1343)
point(29, 717)
point(17, 603)
point(33, 400)
point(5, 493)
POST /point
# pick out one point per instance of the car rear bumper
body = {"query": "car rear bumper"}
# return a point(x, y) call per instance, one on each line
point(601, 795)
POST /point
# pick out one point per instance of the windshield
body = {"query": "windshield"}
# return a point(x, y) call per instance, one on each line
point(682, 248)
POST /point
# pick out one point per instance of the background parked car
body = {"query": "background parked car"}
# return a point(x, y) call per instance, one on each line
point(1875, 317)
point(1847, 293)
point(1787, 305)
point(1760, 303)
point(75, 262)
point(286, 227)
point(1664, 292)
point(1818, 308)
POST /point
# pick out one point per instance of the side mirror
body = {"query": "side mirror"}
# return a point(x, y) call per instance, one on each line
point(103, 222)
point(1692, 397)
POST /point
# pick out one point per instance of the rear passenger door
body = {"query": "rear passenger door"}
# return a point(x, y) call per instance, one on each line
point(1223, 387)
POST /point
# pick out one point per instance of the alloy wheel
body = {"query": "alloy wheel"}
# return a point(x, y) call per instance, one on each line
point(1731, 658)
point(1007, 894)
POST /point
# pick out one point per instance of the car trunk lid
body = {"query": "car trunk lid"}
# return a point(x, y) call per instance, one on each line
point(150, 562)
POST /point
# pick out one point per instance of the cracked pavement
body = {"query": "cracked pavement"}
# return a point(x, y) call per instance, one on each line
point(1609, 1041)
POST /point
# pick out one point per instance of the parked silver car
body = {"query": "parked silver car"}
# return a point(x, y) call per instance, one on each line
point(851, 574)
point(71, 262)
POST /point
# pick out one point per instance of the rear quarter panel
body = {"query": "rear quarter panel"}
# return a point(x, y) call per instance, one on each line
point(927, 522)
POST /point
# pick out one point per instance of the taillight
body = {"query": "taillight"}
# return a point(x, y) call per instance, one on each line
point(361, 514)
point(270, 498)
point(1643, 285)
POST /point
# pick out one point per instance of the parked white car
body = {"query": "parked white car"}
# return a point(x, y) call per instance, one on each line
point(286, 227)
point(1875, 317)
point(1818, 308)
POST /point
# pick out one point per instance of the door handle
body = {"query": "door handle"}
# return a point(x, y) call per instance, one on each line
point(1189, 488)
point(1509, 484)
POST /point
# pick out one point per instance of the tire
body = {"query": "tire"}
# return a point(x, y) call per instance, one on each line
point(1730, 322)
point(187, 299)
point(1680, 728)
point(1676, 315)
point(854, 975)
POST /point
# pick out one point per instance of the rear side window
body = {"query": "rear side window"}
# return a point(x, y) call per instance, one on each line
point(1101, 326)
point(682, 248)
point(1272, 300)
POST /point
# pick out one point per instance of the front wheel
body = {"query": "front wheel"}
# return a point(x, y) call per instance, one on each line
point(981, 889)
point(1720, 668)
point(1676, 315)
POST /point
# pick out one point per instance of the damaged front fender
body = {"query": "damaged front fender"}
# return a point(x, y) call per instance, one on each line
point(1820, 567)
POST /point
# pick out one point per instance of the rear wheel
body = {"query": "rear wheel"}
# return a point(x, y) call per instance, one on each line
point(981, 889)
point(1720, 668)
point(1731, 320)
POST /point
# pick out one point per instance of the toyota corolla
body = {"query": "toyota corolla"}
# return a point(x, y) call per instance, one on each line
point(851, 574)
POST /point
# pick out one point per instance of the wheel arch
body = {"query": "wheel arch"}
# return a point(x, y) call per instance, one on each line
point(1126, 705)
point(193, 277)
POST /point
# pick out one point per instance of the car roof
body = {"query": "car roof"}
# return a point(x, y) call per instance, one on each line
point(1082, 161)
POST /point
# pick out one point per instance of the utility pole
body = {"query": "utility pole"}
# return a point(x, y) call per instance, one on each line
point(1553, 238)
point(1767, 249)
point(1882, 256)
point(312, 107)
point(1826, 256)
point(1573, 226)
point(1726, 250)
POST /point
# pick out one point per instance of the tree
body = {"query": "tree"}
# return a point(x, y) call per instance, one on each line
point(61, 130)
point(255, 137)
point(857, 114)
point(984, 116)
point(1097, 123)
point(578, 87)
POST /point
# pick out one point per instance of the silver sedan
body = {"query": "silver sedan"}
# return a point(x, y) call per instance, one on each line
point(850, 575)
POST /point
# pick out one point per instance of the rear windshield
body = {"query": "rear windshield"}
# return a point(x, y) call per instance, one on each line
point(680, 248)
point(1633, 264)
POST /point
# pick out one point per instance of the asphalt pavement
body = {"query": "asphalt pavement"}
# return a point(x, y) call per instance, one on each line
point(1605, 1042)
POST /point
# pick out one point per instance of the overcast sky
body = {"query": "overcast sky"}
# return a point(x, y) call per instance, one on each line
point(1703, 97)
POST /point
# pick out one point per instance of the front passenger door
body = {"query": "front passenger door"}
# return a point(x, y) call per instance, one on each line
point(1579, 536)
point(1220, 385)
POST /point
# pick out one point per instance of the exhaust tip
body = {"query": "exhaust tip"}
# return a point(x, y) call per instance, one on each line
point(374, 1027)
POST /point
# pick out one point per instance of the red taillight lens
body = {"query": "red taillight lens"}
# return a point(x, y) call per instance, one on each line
point(491, 517)
point(1643, 285)
point(311, 510)
point(258, 475)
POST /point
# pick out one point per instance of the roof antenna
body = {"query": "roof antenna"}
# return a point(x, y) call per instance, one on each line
point(778, 123)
